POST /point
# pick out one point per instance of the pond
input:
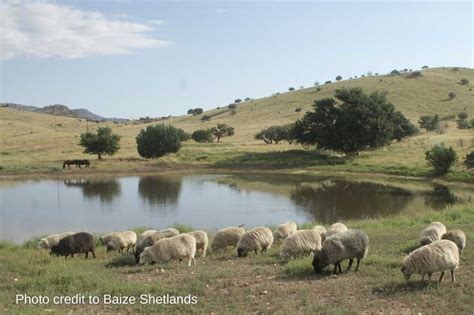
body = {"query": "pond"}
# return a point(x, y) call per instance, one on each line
point(33, 208)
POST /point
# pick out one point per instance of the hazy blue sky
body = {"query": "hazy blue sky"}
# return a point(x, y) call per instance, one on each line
point(128, 59)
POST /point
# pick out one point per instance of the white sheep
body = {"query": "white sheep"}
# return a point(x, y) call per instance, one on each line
point(302, 242)
point(284, 230)
point(349, 244)
point(122, 240)
point(169, 232)
point(432, 232)
point(440, 256)
point(141, 238)
point(322, 230)
point(456, 236)
point(106, 238)
point(225, 237)
point(335, 228)
point(145, 240)
point(173, 248)
point(259, 238)
point(52, 240)
point(202, 241)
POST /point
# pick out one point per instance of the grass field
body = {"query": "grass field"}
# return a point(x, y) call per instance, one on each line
point(223, 283)
point(38, 143)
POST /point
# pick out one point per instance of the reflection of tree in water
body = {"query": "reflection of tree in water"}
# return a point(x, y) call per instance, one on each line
point(334, 200)
point(106, 191)
point(160, 190)
point(440, 197)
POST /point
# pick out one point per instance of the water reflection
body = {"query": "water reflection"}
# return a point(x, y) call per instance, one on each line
point(334, 200)
point(440, 197)
point(104, 190)
point(160, 190)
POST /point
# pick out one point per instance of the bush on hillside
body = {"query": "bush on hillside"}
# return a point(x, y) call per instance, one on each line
point(338, 78)
point(469, 161)
point(291, 89)
point(451, 95)
point(206, 118)
point(183, 135)
point(463, 124)
point(429, 123)
point(275, 134)
point(222, 130)
point(464, 81)
point(441, 158)
point(202, 136)
point(103, 142)
point(414, 75)
point(462, 115)
point(232, 106)
point(352, 121)
point(158, 140)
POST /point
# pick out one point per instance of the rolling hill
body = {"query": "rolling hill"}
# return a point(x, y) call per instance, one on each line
point(31, 136)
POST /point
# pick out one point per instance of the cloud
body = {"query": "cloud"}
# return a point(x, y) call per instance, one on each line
point(220, 10)
point(46, 30)
point(157, 22)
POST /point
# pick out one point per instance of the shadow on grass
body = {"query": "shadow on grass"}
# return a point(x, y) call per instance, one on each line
point(404, 287)
point(126, 260)
point(411, 248)
point(281, 159)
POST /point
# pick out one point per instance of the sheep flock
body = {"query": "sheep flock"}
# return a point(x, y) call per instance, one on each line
point(439, 249)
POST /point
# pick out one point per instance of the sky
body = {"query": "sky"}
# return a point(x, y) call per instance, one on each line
point(128, 59)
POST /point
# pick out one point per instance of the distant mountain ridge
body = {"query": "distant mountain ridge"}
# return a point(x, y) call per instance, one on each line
point(62, 110)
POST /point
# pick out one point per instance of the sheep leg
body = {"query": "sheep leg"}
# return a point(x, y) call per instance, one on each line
point(194, 261)
point(453, 277)
point(357, 266)
point(350, 264)
point(339, 267)
point(93, 254)
point(423, 277)
point(335, 269)
point(256, 252)
point(441, 277)
point(190, 259)
point(87, 255)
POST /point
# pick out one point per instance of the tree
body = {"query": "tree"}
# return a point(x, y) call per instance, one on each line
point(104, 142)
point(202, 136)
point(206, 118)
point(237, 101)
point(462, 115)
point(395, 72)
point(197, 111)
point(232, 106)
point(338, 78)
point(316, 83)
point(441, 158)
point(328, 82)
point(222, 130)
point(451, 95)
point(247, 99)
point(429, 123)
point(469, 161)
point(158, 140)
point(464, 81)
point(190, 111)
point(351, 121)
point(183, 135)
point(275, 134)
point(424, 67)
point(291, 89)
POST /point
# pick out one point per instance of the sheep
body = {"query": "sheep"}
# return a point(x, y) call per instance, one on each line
point(169, 232)
point(105, 239)
point(335, 228)
point(121, 240)
point(349, 244)
point(202, 241)
point(440, 255)
point(301, 242)
point(458, 237)
point(176, 247)
point(322, 230)
point(77, 243)
point(432, 232)
point(51, 240)
point(284, 230)
point(146, 240)
point(225, 237)
point(259, 238)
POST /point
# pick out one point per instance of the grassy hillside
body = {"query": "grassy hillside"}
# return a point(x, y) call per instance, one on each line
point(29, 142)
point(254, 284)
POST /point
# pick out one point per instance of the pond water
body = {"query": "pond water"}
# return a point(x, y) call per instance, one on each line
point(33, 208)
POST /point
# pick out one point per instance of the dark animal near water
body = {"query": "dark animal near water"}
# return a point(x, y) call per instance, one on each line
point(75, 244)
point(77, 163)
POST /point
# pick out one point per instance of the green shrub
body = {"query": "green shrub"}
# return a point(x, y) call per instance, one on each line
point(183, 135)
point(451, 95)
point(159, 140)
point(441, 158)
point(222, 130)
point(202, 136)
point(104, 142)
point(464, 81)
point(469, 161)
point(462, 115)
point(275, 134)
point(429, 123)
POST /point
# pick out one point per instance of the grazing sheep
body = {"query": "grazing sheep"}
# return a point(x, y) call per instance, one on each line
point(302, 242)
point(202, 241)
point(49, 241)
point(259, 238)
point(284, 230)
point(169, 232)
point(432, 232)
point(73, 244)
point(146, 240)
point(456, 236)
point(225, 237)
point(335, 228)
point(121, 240)
point(322, 230)
point(349, 244)
point(105, 239)
point(176, 247)
point(440, 256)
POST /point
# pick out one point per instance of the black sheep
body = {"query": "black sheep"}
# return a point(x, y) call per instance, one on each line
point(78, 243)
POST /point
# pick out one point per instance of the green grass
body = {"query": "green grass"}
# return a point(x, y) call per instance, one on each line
point(258, 283)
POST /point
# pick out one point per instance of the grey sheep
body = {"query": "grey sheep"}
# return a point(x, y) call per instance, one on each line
point(432, 232)
point(456, 236)
point(349, 244)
